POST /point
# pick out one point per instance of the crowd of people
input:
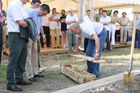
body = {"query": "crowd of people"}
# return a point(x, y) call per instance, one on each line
point(32, 27)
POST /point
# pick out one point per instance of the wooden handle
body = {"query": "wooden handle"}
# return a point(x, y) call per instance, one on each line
point(88, 58)
point(133, 41)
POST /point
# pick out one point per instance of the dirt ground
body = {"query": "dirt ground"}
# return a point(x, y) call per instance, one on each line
point(117, 61)
point(118, 87)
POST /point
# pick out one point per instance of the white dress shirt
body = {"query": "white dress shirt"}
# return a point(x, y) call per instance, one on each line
point(87, 18)
point(16, 11)
point(89, 28)
point(71, 18)
point(105, 20)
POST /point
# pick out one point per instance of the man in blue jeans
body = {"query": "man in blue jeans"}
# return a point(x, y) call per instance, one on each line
point(97, 36)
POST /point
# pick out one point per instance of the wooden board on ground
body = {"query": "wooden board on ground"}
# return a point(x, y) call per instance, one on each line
point(88, 58)
point(121, 45)
point(80, 76)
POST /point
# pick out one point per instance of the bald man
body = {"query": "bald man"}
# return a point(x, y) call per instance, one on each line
point(96, 34)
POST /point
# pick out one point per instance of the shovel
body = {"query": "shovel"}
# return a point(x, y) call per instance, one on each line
point(129, 77)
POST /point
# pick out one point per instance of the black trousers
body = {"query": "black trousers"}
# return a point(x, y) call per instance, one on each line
point(85, 44)
point(47, 34)
point(1, 30)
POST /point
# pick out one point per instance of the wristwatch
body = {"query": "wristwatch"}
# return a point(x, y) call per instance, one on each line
point(97, 51)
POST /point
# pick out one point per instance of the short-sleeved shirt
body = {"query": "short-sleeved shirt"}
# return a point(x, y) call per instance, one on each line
point(45, 21)
point(33, 13)
point(16, 11)
point(89, 28)
point(71, 18)
point(105, 20)
point(54, 24)
point(63, 24)
point(97, 17)
point(124, 20)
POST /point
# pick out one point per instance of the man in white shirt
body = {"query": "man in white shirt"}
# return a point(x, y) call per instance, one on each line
point(54, 29)
point(105, 20)
point(97, 35)
point(87, 18)
point(17, 45)
point(71, 18)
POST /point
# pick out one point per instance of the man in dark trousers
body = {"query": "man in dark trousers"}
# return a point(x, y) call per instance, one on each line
point(17, 46)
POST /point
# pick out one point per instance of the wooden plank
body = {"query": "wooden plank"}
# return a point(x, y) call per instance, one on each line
point(80, 76)
point(88, 58)
point(120, 45)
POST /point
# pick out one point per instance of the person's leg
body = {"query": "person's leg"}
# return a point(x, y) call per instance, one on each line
point(29, 69)
point(1, 30)
point(47, 33)
point(108, 41)
point(57, 38)
point(136, 39)
point(90, 52)
point(15, 48)
point(69, 35)
point(85, 44)
point(113, 34)
point(122, 32)
point(34, 59)
point(20, 68)
point(74, 40)
point(4, 39)
point(41, 41)
point(38, 50)
point(125, 34)
point(102, 37)
point(64, 38)
point(53, 38)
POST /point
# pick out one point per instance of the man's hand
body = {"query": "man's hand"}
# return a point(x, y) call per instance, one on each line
point(36, 38)
point(75, 51)
point(22, 23)
point(97, 56)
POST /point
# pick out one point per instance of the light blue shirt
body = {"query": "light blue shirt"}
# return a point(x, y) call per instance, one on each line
point(138, 23)
point(33, 13)
point(16, 11)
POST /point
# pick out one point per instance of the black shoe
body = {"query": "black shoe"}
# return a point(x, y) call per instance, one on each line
point(32, 79)
point(14, 88)
point(5, 53)
point(97, 76)
point(39, 76)
point(23, 83)
point(58, 47)
point(125, 43)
